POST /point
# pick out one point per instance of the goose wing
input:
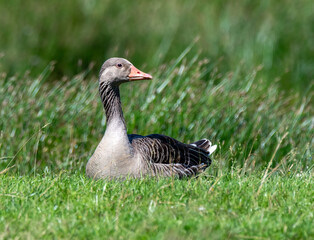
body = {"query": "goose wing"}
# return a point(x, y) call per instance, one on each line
point(167, 154)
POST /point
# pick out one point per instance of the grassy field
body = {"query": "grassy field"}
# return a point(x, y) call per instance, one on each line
point(246, 83)
point(260, 185)
point(67, 206)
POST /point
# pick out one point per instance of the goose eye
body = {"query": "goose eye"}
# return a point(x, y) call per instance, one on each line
point(119, 65)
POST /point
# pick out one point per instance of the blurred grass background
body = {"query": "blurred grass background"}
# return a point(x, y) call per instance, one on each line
point(245, 82)
point(276, 34)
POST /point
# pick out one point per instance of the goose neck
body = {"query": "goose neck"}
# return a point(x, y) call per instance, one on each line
point(110, 96)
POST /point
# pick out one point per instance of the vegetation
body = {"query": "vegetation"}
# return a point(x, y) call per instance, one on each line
point(67, 206)
point(74, 33)
point(59, 125)
point(246, 83)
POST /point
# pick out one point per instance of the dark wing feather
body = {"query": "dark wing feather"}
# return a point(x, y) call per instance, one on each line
point(160, 149)
point(175, 169)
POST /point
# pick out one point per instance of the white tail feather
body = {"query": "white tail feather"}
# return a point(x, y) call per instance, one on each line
point(211, 149)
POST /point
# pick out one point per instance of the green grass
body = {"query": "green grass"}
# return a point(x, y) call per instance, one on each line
point(66, 206)
point(246, 84)
point(260, 184)
point(58, 125)
point(277, 34)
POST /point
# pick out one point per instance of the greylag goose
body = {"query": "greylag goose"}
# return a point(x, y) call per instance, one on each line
point(120, 155)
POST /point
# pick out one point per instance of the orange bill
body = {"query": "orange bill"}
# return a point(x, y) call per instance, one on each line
point(136, 74)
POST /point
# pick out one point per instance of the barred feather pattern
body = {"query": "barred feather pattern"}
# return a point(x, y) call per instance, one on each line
point(166, 156)
point(110, 96)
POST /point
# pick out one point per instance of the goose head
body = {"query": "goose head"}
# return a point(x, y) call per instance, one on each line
point(119, 70)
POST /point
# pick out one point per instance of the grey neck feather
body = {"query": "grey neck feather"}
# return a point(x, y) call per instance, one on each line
point(116, 131)
point(110, 96)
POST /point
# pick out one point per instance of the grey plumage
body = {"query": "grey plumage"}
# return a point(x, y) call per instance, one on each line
point(121, 155)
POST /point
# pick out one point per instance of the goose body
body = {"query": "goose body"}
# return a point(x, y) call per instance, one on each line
point(119, 155)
